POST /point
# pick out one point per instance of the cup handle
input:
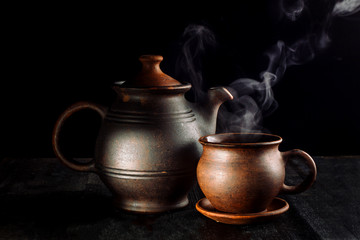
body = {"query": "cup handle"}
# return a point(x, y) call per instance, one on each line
point(71, 163)
point(310, 178)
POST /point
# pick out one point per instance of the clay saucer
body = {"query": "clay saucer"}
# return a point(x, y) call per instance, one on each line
point(276, 207)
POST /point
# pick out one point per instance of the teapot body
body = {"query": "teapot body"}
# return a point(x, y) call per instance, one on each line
point(147, 151)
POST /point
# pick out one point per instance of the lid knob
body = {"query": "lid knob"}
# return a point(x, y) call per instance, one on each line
point(151, 74)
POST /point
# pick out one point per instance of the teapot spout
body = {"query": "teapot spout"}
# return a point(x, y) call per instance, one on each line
point(207, 111)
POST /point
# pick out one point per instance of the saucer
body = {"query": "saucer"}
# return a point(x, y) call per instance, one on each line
point(276, 207)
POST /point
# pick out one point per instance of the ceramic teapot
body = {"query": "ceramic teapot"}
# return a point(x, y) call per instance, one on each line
point(147, 147)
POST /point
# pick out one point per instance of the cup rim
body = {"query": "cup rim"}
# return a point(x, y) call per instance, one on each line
point(204, 141)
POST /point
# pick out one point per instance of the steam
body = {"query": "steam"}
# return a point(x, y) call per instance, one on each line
point(346, 7)
point(198, 41)
point(254, 98)
point(292, 9)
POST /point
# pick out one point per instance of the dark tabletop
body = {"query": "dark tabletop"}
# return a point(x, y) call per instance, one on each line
point(42, 199)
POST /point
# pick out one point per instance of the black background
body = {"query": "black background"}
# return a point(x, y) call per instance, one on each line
point(56, 55)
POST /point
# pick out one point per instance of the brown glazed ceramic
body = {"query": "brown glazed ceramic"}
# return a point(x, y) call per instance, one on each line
point(242, 173)
point(147, 149)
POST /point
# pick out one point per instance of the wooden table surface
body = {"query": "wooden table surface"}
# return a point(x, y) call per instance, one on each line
point(42, 199)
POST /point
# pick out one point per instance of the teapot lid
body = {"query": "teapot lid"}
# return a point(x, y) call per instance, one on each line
point(151, 74)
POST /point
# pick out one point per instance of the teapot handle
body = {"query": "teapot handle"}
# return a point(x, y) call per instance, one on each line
point(89, 166)
point(310, 178)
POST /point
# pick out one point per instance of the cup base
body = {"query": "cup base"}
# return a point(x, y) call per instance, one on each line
point(275, 208)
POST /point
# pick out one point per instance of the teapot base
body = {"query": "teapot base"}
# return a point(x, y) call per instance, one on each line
point(148, 191)
point(147, 207)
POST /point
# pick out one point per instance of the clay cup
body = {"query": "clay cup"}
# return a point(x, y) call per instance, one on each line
point(243, 172)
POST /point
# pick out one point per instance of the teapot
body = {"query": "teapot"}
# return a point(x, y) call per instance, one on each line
point(147, 147)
